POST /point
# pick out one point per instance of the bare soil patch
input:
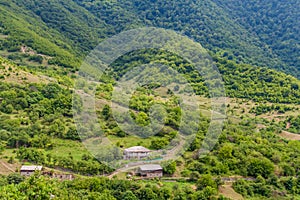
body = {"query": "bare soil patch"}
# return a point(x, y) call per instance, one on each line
point(290, 136)
point(7, 168)
point(228, 191)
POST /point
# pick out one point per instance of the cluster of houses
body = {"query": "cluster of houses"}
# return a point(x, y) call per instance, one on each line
point(145, 171)
point(132, 153)
point(30, 170)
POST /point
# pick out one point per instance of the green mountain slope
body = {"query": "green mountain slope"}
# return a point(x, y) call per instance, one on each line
point(70, 19)
point(221, 28)
point(276, 23)
point(208, 23)
point(45, 41)
point(23, 28)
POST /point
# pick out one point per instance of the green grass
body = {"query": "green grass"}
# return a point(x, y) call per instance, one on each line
point(130, 141)
point(64, 148)
point(170, 185)
point(121, 176)
point(8, 153)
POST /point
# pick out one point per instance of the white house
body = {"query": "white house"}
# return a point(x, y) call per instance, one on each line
point(29, 170)
point(137, 152)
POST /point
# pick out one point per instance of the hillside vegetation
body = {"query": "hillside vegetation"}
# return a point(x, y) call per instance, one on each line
point(37, 124)
point(269, 20)
point(42, 45)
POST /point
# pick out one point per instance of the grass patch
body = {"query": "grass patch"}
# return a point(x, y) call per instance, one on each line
point(8, 153)
point(64, 148)
point(130, 141)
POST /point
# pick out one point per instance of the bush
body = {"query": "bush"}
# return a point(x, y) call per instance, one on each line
point(260, 166)
point(169, 167)
point(206, 181)
point(36, 58)
point(159, 143)
point(15, 178)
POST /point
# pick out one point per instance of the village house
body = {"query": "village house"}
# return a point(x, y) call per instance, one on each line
point(137, 152)
point(29, 170)
point(150, 171)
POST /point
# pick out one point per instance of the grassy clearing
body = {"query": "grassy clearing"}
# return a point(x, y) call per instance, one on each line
point(64, 148)
point(168, 184)
point(7, 153)
point(130, 141)
point(121, 176)
point(175, 183)
point(242, 107)
point(13, 74)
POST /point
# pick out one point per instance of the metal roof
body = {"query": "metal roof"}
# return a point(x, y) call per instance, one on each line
point(151, 167)
point(137, 149)
point(31, 168)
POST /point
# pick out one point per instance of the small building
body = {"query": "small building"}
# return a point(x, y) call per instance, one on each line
point(150, 171)
point(137, 152)
point(29, 170)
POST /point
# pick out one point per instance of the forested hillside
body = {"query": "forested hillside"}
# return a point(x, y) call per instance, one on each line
point(276, 23)
point(231, 29)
